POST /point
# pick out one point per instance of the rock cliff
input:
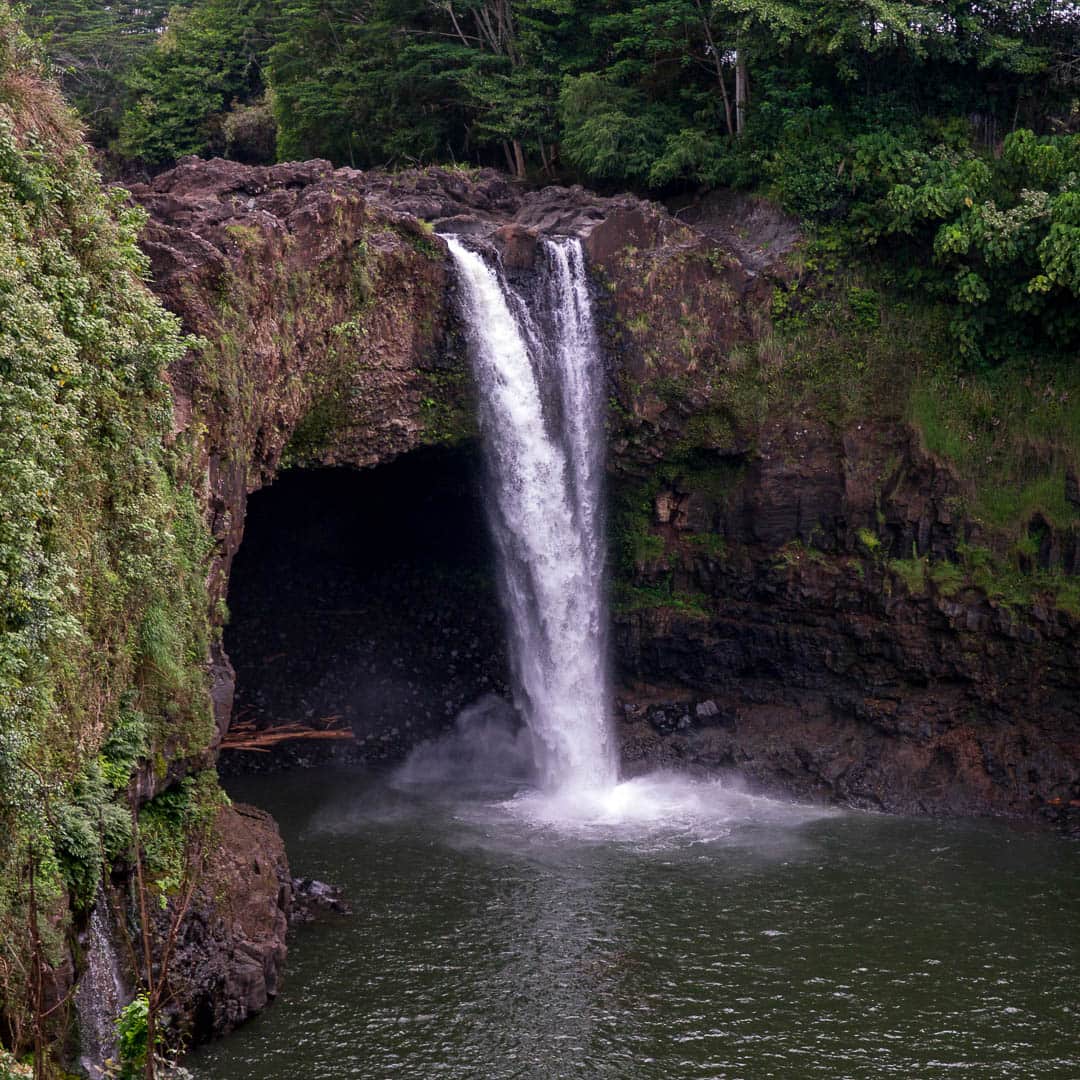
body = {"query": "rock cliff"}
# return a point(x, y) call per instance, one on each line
point(229, 958)
point(792, 596)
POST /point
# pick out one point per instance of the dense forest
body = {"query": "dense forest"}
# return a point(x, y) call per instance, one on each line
point(943, 132)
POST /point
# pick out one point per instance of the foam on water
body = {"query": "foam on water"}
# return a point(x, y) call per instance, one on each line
point(480, 771)
point(662, 805)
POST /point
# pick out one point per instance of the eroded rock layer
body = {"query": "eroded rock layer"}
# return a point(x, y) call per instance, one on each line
point(781, 570)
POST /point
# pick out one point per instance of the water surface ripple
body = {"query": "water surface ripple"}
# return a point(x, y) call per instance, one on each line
point(753, 941)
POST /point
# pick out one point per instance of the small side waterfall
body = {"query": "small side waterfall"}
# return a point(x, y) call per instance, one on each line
point(99, 995)
point(540, 377)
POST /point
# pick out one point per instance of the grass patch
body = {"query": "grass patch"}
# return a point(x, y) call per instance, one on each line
point(948, 578)
point(1011, 434)
point(838, 351)
point(709, 544)
point(662, 596)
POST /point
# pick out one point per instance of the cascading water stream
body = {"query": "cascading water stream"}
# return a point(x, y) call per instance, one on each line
point(99, 995)
point(540, 378)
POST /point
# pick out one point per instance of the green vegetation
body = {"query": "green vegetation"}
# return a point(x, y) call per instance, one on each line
point(998, 237)
point(939, 136)
point(168, 823)
point(912, 572)
point(95, 48)
point(133, 1036)
point(847, 347)
point(1001, 580)
point(659, 596)
point(104, 629)
point(201, 87)
point(1013, 434)
point(850, 345)
point(869, 540)
point(649, 571)
point(446, 408)
point(707, 544)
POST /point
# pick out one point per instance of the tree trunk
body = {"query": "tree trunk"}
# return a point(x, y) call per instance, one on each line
point(37, 979)
point(718, 64)
point(509, 157)
point(544, 158)
point(727, 100)
point(742, 90)
point(519, 160)
point(151, 1037)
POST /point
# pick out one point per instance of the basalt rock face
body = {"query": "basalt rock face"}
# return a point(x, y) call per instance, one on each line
point(769, 574)
point(322, 319)
point(791, 606)
point(807, 636)
point(229, 957)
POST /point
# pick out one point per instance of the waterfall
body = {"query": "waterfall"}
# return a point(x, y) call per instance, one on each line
point(99, 995)
point(540, 379)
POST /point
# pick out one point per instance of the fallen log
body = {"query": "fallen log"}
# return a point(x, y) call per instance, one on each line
point(246, 736)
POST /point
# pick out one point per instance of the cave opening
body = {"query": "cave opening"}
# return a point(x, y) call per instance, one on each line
point(365, 599)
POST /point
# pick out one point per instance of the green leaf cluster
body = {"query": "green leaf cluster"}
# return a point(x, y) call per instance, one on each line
point(132, 1036)
point(998, 238)
point(103, 607)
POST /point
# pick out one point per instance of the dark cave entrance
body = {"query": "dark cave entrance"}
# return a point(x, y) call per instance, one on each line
point(365, 598)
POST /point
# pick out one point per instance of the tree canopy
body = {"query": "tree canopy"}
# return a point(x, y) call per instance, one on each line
point(870, 117)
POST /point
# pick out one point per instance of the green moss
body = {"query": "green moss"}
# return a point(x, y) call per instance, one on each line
point(698, 470)
point(710, 429)
point(1011, 435)
point(630, 526)
point(171, 822)
point(709, 544)
point(1067, 595)
point(447, 408)
point(1001, 580)
point(795, 552)
point(663, 596)
point(362, 288)
point(315, 430)
point(912, 572)
point(837, 352)
point(246, 237)
point(869, 540)
point(103, 608)
point(948, 578)
point(422, 237)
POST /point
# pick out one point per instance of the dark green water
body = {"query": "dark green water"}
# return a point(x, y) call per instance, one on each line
point(711, 935)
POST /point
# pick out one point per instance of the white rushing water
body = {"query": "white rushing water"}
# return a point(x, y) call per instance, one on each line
point(99, 995)
point(540, 379)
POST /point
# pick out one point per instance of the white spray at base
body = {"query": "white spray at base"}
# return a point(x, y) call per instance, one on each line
point(540, 380)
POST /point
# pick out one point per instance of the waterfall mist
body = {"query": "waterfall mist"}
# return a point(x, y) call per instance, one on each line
point(540, 377)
